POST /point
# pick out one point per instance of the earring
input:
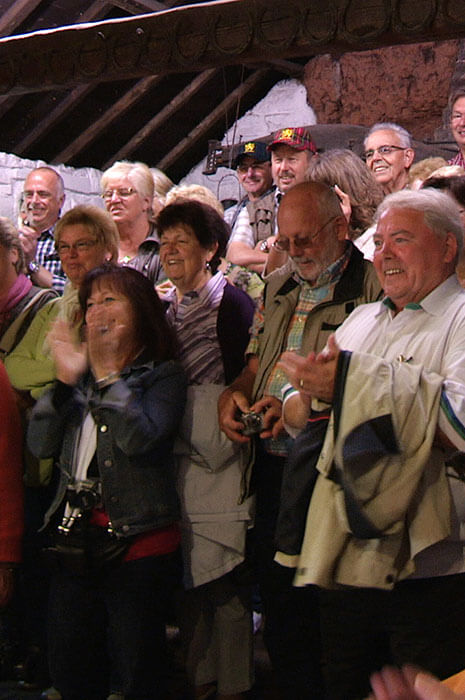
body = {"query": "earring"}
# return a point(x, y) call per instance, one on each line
point(207, 265)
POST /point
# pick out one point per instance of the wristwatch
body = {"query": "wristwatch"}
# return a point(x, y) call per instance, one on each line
point(33, 267)
point(264, 247)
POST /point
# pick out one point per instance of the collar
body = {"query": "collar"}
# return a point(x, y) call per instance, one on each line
point(199, 296)
point(332, 273)
point(433, 303)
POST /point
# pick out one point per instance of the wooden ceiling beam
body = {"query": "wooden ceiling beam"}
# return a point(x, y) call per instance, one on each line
point(205, 35)
point(201, 129)
point(69, 103)
point(16, 13)
point(137, 7)
point(174, 105)
point(115, 111)
point(95, 11)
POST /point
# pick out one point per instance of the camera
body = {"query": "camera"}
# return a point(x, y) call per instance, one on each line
point(87, 497)
point(252, 422)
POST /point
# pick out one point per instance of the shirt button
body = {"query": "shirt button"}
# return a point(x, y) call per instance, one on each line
point(103, 428)
point(114, 499)
point(107, 463)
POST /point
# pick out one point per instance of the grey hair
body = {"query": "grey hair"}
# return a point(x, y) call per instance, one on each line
point(404, 136)
point(441, 213)
point(9, 239)
point(137, 173)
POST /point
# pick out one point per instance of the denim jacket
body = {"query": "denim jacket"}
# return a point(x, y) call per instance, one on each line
point(137, 418)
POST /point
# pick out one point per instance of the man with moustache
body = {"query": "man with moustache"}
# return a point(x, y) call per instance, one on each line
point(389, 155)
point(298, 312)
point(385, 528)
point(43, 198)
point(254, 219)
point(291, 150)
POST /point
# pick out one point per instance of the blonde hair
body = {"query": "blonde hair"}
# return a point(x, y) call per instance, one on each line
point(97, 221)
point(423, 169)
point(137, 173)
point(199, 193)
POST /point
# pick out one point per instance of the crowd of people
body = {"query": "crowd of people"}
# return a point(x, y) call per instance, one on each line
point(212, 415)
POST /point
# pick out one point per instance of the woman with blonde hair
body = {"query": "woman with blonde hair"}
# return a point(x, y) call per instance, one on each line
point(127, 191)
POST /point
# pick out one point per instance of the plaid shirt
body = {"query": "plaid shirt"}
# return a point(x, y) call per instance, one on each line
point(47, 256)
point(457, 160)
point(309, 297)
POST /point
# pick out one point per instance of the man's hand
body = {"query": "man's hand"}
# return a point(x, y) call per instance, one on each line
point(271, 409)
point(230, 405)
point(28, 238)
point(314, 375)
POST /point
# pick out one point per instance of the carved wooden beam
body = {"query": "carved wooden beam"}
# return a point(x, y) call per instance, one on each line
point(201, 36)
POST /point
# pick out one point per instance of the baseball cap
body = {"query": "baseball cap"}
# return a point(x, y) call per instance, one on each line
point(298, 137)
point(254, 149)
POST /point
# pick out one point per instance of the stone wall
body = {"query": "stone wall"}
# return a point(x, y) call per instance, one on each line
point(405, 84)
point(82, 185)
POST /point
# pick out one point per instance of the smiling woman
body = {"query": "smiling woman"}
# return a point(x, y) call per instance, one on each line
point(85, 237)
point(212, 319)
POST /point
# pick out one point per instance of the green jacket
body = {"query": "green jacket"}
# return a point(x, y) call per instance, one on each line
point(358, 285)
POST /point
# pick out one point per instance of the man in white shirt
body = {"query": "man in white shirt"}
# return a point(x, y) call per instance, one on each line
point(385, 529)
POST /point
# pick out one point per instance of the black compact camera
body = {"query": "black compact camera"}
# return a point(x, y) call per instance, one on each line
point(252, 422)
point(88, 497)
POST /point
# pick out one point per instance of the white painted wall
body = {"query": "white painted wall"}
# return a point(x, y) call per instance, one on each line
point(285, 105)
point(82, 185)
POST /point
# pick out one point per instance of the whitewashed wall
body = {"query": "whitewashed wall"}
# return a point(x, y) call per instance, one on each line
point(285, 105)
point(82, 184)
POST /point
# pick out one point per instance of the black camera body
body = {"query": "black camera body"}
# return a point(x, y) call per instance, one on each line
point(252, 422)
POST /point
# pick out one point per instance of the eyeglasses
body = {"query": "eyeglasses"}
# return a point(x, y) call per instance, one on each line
point(383, 151)
point(243, 168)
point(122, 192)
point(283, 244)
point(79, 247)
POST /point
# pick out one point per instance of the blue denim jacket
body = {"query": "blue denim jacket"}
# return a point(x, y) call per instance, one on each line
point(137, 419)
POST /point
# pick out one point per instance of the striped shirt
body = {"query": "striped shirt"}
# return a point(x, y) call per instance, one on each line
point(195, 319)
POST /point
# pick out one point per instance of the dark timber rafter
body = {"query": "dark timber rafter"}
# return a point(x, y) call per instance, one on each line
point(206, 35)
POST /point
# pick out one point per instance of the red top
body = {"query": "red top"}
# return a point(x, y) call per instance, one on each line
point(11, 473)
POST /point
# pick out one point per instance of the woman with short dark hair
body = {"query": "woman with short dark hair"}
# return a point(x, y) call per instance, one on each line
point(212, 320)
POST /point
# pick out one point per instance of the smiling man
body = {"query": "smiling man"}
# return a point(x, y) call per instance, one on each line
point(299, 310)
point(386, 522)
point(253, 221)
point(457, 124)
point(43, 198)
point(389, 155)
point(291, 150)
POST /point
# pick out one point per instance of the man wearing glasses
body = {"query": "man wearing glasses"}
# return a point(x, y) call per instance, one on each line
point(457, 123)
point(300, 310)
point(291, 150)
point(389, 155)
point(254, 219)
point(42, 200)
